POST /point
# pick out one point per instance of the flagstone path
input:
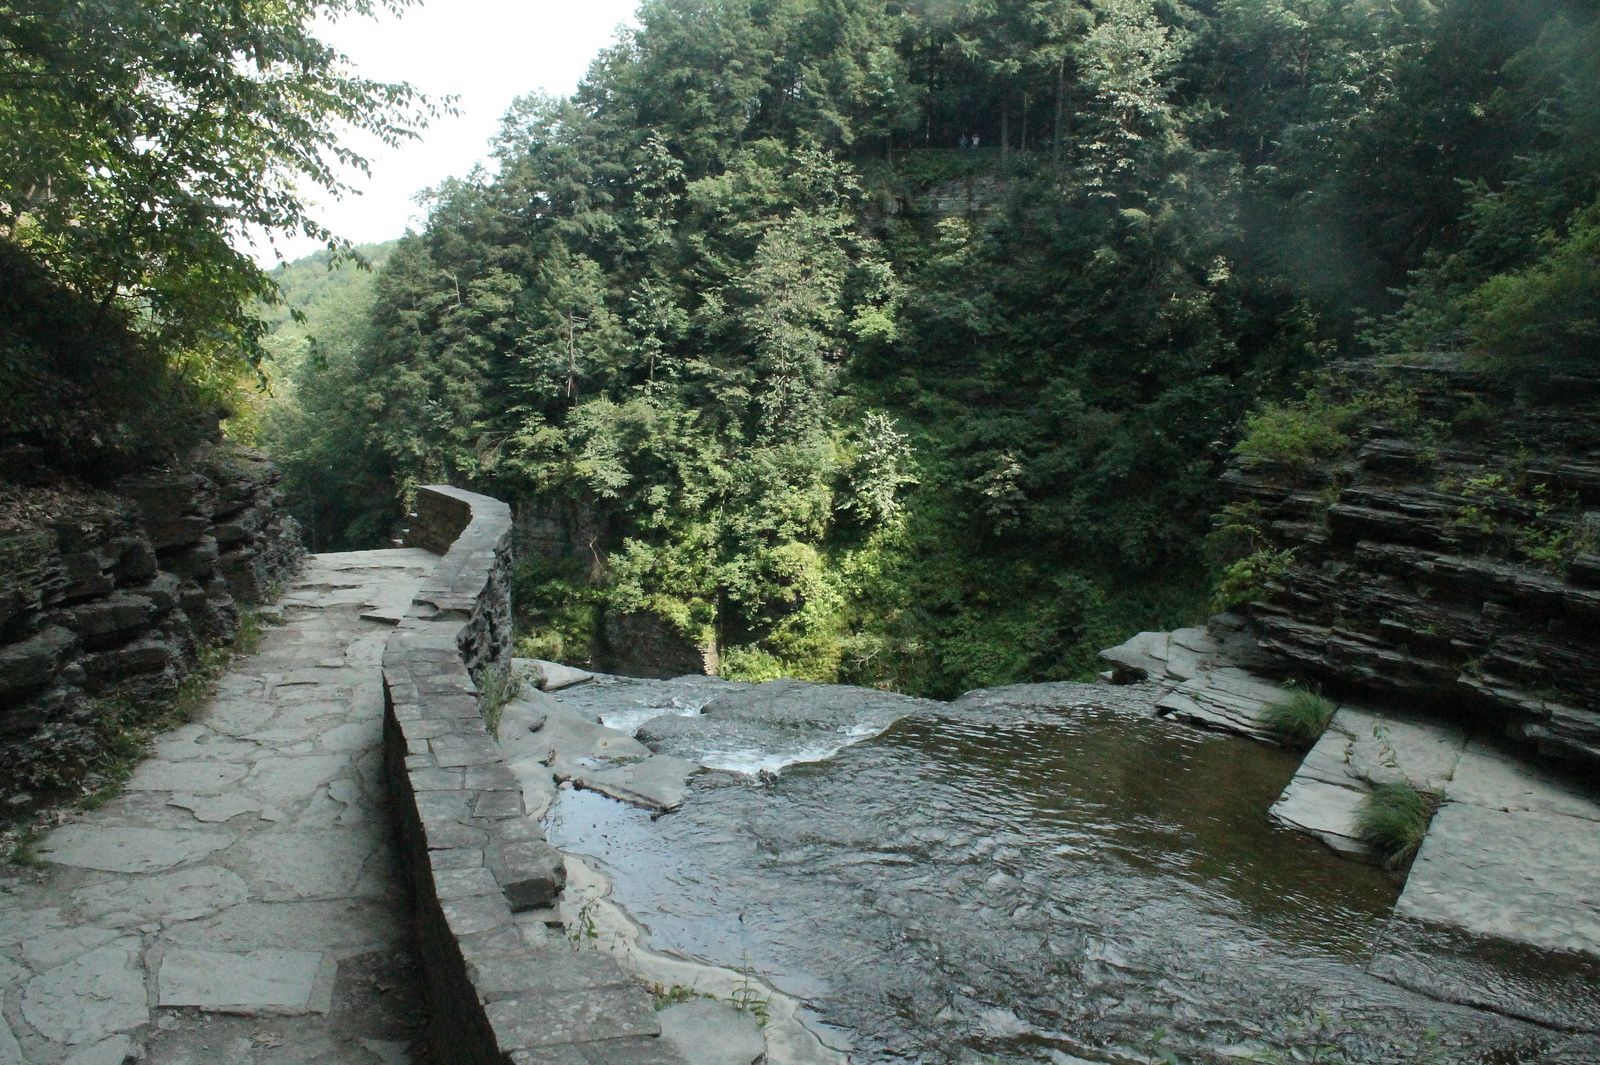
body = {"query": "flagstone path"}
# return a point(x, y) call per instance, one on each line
point(240, 901)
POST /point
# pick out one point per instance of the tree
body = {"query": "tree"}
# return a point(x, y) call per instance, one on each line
point(572, 327)
point(145, 139)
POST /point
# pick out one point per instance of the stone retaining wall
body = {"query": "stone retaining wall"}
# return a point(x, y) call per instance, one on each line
point(473, 856)
point(107, 596)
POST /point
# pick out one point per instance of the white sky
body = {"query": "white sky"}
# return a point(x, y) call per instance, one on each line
point(487, 52)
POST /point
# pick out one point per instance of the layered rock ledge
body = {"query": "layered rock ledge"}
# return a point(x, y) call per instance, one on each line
point(106, 598)
point(1449, 560)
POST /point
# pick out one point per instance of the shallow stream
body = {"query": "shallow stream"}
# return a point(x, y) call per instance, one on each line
point(1040, 874)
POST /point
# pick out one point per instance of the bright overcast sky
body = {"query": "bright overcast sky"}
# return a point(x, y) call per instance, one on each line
point(487, 52)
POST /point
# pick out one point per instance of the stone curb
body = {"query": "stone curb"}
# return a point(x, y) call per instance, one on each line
point(473, 857)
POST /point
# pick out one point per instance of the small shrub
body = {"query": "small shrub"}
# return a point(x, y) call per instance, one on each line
point(22, 849)
point(1522, 517)
point(1299, 717)
point(1296, 436)
point(1301, 434)
point(558, 610)
point(1393, 819)
point(252, 630)
point(1245, 580)
point(676, 994)
point(751, 664)
point(1475, 420)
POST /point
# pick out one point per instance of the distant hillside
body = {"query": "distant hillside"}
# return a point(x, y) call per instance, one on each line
point(329, 298)
point(310, 284)
point(325, 475)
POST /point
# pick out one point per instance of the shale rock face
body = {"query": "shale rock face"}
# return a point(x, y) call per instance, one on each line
point(1448, 561)
point(106, 597)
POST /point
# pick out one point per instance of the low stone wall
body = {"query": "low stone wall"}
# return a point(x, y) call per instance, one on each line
point(473, 857)
point(107, 596)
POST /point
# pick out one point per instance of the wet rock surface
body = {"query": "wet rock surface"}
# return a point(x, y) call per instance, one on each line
point(1047, 873)
point(239, 901)
point(1511, 853)
point(713, 1033)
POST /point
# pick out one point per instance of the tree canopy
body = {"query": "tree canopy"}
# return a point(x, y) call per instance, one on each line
point(146, 139)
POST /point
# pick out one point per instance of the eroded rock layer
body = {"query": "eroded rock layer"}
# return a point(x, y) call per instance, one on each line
point(1449, 559)
point(107, 596)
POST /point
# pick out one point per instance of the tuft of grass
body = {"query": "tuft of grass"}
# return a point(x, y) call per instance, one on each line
point(1299, 717)
point(24, 851)
point(499, 685)
point(675, 994)
point(252, 629)
point(1393, 819)
point(586, 928)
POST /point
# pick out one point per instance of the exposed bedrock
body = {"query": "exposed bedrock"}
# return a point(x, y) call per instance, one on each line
point(107, 596)
point(1450, 564)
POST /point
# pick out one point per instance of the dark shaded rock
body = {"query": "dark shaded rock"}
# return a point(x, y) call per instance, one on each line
point(198, 560)
point(644, 644)
point(242, 526)
point(165, 591)
point(1404, 583)
point(34, 662)
point(90, 607)
point(136, 560)
point(108, 621)
point(141, 658)
point(31, 574)
point(165, 497)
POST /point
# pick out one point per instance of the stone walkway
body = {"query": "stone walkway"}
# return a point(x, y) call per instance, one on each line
point(240, 901)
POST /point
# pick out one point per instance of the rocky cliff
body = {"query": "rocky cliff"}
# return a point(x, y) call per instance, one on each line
point(107, 596)
point(1444, 553)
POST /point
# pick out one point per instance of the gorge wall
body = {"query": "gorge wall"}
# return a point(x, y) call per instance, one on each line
point(107, 597)
point(1447, 557)
point(563, 532)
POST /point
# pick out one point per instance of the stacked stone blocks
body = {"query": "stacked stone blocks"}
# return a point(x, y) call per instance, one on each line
point(475, 859)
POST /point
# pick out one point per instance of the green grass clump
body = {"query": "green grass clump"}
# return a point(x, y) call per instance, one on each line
point(1299, 717)
point(499, 685)
point(1393, 819)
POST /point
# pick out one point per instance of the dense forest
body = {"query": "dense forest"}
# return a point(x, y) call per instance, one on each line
point(902, 344)
point(894, 343)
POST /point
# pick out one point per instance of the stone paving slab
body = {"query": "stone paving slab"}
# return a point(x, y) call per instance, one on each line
point(586, 1015)
point(239, 902)
point(120, 848)
point(1529, 877)
point(246, 982)
point(1360, 748)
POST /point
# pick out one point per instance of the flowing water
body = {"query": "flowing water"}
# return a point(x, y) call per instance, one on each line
point(1040, 874)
